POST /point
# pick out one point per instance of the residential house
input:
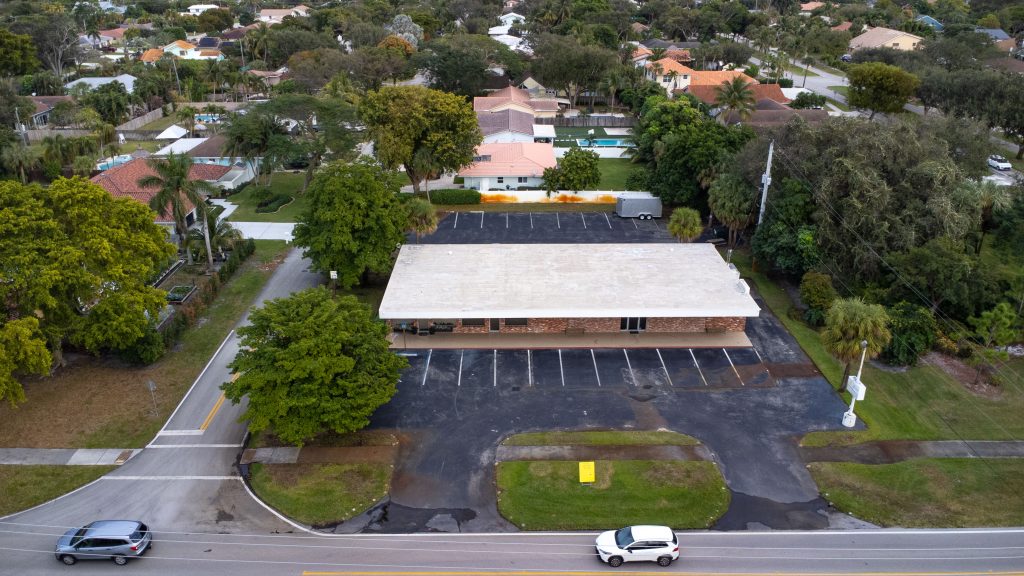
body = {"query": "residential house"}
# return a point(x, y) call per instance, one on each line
point(105, 6)
point(101, 40)
point(930, 22)
point(44, 105)
point(499, 30)
point(212, 151)
point(641, 54)
point(514, 43)
point(513, 98)
point(237, 33)
point(197, 9)
point(94, 82)
point(708, 93)
point(270, 77)
point(508, 165)
point(152, 55)
point(123, 182)
point(769, 113)
point(639, 29)
point(885, 38)
point(843, 26)
point(508, 126)
point(533, 87)
point(655, 43)
point(511, 19)
point(208, 43)
point(482, 289)
point(272, 16)
point(116, 35)
point(808, 7)
point(188, 51)
point(996, 34)
point(675, 77)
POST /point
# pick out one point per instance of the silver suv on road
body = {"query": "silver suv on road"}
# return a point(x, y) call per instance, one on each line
point(117, 540)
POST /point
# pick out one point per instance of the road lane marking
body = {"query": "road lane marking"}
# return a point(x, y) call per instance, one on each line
point(665, 368)
point(699, 371)
point(169, 478)
point(195, 445)
point(734, 371)
point(180, 433)
point(506, 220)
point(531, 220)
point(456, 221)
point(584, 221)
point(198, 378)
point(558, 221)
point(481, 219)
point(213, 412)
point(494, 364)
point(529, 366)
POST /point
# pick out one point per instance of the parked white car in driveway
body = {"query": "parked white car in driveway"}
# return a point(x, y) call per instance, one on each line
point(999, 163)
point(638, 544)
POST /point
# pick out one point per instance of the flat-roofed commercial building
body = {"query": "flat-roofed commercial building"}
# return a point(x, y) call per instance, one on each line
point(565, 288)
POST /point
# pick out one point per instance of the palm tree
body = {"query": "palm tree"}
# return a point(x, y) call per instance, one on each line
point(82, 165)
point(175, 191)
point(187, 114)
point(685, 224)
point(259, 40)
point(849, 322)
point(990, 197)
point(20, 159)
point(611, 84)
point(735, 96)
point(732, 201)
point(422, 217)
point(55, 149)
point(222, 235)
point(216, 72)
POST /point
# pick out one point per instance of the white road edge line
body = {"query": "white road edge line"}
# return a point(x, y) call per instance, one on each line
point(561, 369)
point(630, 366)
point(734, 371)
point(596, 373)
point(427, 367)
point(193, 432)
point(531, 220)
point(558, 221)
point(198, 378)
point(665, 368)
point(506, 220)
point(699, 371)
point(462, 354)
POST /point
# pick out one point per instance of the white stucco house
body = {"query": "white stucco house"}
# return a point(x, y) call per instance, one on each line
point(508, 165)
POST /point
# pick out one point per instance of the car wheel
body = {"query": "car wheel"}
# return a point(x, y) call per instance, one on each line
point(664, 561)
point(69, 560)
point(120, 560)
point(615, 561)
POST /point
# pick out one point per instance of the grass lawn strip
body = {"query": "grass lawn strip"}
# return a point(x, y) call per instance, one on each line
point(614, 172)
point(282, 183)
point(601, 438)
point(321, 494)
point(844, 90)
point(160, 124)
point(81, 392)
point(23, 487)
point(927, 493)
point(913, 405)
point(547, 495)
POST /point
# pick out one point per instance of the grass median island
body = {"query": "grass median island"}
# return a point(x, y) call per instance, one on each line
point(547, 495)
point(321, 494)
point(920, 403)
point(954, 492)
point(602, 438)
point(283, 183)
point(23, 487)
point(81, 393)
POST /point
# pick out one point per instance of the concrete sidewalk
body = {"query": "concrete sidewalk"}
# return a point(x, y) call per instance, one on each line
point(891, 451)
point(67, 456)
point(265, 230)
point(501, 341)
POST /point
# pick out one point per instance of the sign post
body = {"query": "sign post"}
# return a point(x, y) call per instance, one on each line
point(151, 386)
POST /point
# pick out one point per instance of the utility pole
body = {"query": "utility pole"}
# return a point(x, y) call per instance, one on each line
point(174, 65)
point(766, 180)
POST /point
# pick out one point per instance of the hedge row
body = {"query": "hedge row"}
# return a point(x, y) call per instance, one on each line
point(455, 196)
point(273, 204)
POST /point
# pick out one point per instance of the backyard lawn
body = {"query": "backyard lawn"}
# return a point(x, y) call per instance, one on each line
point(80, 391)
point(282, 183)
point(160, 124)
point(614, 172)
point(951, 493)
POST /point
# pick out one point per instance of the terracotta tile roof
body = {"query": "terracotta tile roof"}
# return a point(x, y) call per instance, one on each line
point(707, 93)
point(669, 65)
point(209, 53)
point(845, 26)
point(510, 95)
point(46, 103)
point(123, 181)
point(505, 120)
point(641, 51)
point(181, 44)
point(716, 77)
point(115, 33)
point(512, 159)
point(152, 55)
point(679, 54)
point(811, 6)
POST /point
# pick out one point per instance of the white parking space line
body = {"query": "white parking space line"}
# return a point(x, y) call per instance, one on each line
point(633, 219)
point(481, 219)
point(699, 371)
point(734, 371)
point(531, 220)
point(596, 373)
point(759, 359)
point(584, 221)
point(608, 221)
point(494, 363)
point(630, 366)
point(558, 221)
point(663, 367)
point(529, 367)
point(561, 370)
point(456, 221)
point(462, 353)
point(427, 368)
point(506, 220)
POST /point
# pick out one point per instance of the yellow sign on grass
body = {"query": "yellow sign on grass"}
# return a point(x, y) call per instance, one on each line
point(587, 474)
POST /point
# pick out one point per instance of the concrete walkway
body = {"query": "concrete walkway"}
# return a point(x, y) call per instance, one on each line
point(888, 452)
point(501, 341)
point(229, 207)
point(591, 452)
point(66, 456)
point(266, 230)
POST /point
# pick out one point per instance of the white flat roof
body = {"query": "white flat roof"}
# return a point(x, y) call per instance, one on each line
point(448, 281)
point(179, 146)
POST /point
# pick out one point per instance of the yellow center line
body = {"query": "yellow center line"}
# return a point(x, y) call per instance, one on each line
point(213, 412)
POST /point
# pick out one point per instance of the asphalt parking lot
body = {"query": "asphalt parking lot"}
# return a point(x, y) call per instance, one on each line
point(545, 228)
point(646, 368)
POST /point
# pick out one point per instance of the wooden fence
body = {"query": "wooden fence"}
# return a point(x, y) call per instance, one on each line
point(590, 121)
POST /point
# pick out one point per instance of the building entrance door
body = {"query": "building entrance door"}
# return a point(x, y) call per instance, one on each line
point(494, 324)
point(633, 325)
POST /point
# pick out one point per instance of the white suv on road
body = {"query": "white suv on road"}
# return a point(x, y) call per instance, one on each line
point(638, 544)
point(999, 163)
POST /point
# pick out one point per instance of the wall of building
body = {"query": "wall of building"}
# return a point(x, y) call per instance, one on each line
point(602, 325)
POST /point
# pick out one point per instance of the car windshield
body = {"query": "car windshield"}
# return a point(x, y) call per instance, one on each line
point(78, 536)
point(623, 537)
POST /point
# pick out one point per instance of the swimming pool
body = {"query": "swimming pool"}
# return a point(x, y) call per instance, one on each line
point(109, 163)
point(606, 143)
point(208, 118)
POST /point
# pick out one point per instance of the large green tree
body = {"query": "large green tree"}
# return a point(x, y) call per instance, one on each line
point(880, 87)
point(849, 322)
point(17, 54)
point(564, 63)
point(354, 222)
point(459, 63)
point(78, 261)
point(426, 131)
point(312, 363)
point(577, 170)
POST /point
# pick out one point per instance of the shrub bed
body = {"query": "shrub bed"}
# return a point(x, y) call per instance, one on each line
point(454, 196)
point(273, 204)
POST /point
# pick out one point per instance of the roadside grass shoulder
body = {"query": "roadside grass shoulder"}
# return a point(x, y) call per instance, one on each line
point(927, 493)
point(321, 494)
point(601, 438)
point(23, 487)
point(547, 495)
point(104, 403)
